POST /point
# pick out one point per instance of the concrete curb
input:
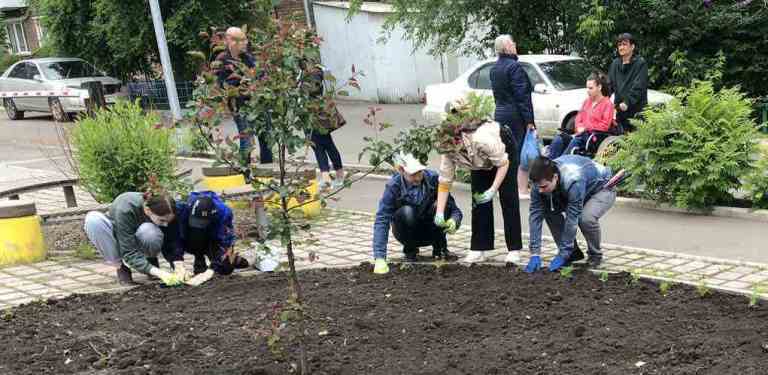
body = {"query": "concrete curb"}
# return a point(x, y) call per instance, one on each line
point(717, 211)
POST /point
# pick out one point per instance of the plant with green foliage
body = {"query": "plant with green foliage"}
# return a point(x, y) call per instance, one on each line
point(692, 152)
point(756, 183)
point(86, 251)
point(466, 115)
point(634, 277)
point(754, 296)
point(566, 272)
point(664, 287)
point(702, 289)
point(120, 149)
point(604, 276)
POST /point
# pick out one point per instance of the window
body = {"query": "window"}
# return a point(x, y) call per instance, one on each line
point(533, 75)
point(567, 74)
point(39, 30)
point(16, 37)
point(481, 78)
point(70, 69)
point(32, 71)
point(19, 71)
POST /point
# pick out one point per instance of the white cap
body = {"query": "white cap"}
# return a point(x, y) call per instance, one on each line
point(409, 163)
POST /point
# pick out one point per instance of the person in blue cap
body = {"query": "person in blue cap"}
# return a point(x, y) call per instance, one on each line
point(207, 231)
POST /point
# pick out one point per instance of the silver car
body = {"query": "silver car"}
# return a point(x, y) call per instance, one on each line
point(53, 85)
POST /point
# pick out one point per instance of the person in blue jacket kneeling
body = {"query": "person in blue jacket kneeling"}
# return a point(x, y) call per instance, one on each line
point(207, 231)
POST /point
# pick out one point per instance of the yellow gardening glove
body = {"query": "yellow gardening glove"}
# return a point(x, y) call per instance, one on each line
point(450, 226)
point(380, 266)
point(169, 279)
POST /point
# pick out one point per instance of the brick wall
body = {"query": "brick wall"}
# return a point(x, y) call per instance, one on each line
point(292, 9)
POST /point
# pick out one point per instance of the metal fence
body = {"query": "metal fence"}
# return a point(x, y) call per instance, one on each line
point(154, 94)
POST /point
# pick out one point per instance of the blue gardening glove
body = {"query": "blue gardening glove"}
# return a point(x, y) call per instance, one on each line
point(380, 266)
point(534, 264)
point(450, 226)
point(557, 263)
point(439, 219)
point(485, 197)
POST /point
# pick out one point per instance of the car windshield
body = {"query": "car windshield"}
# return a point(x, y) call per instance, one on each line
point(69, 69)
point(568, 74)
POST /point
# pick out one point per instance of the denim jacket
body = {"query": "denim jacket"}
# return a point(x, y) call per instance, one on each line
point(399, 193)
point(221, 230)
point(579, 179)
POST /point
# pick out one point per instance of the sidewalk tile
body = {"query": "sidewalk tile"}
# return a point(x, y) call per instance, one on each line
point(728, 276)
point(688, 267)
point(7, 297)
point(755, 278)
point(737, 285)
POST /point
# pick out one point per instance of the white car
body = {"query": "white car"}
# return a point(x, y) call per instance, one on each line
point(558, 90)
point(40, 85)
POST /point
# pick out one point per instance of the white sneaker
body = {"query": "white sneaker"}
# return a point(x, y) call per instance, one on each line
point(513, 257)
point(474, 257)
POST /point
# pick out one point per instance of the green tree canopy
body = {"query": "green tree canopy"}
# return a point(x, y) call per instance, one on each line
point(118, 36)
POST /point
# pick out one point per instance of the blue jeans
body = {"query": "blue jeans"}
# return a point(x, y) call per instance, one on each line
point(558, 146)
point(246, 142)
point(325, 148)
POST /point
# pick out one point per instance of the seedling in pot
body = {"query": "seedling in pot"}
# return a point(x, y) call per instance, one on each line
point(566, 272)
point(604, 276)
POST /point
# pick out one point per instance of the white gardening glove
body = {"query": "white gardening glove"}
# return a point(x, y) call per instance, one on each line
point(181, 271)
point(169, 279)
point(200, 278)
point(485, 197)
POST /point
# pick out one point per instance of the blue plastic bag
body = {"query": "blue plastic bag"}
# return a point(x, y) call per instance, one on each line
point(530, 150)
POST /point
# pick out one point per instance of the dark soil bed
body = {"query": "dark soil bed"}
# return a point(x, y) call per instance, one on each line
point(455, 320)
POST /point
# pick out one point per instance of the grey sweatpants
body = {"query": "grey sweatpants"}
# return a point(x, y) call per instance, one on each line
point(589, 222)
point(99, 230)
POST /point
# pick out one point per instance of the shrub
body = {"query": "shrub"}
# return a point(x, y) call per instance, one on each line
point(694, 151)
point(120, 148)
point(756, 183)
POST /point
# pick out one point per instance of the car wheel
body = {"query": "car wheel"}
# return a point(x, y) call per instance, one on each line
point(570, 125)
point(608, 148)
point(57, 110)
point(11, 110)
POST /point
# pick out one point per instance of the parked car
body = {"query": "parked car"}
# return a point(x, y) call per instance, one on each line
point(51, 75)
point(558, 90)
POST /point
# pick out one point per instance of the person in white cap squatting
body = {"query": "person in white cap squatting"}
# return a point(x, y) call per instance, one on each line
point(409, 206)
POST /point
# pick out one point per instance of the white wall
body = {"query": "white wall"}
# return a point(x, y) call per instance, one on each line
point(394, 73)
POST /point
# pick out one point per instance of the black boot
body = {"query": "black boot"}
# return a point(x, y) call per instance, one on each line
point(200, 265)
point(153, 261)
point(444, 254)
point(595, 261)
point(124, 276)
point(240, 262)
point(411, 255)
point(576, 254)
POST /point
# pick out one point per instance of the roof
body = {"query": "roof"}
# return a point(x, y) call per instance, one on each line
point(53, 59)
point(370, 7)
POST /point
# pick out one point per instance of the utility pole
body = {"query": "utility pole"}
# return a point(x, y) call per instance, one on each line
point(165, 60)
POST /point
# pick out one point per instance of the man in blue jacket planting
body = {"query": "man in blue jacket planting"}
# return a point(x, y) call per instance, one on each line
point(408, 205)
point(568, 192)
point(206, 231)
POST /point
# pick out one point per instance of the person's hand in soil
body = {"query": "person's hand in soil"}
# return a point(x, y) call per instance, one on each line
point(450, 226)
point(200, 278)
point(534, 264)
point(181, 271)
point(169, 279)
point(380, 266)
point(556, 263)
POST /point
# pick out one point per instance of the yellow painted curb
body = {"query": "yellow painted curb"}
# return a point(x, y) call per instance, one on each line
point(221, 183)
point(21, 241)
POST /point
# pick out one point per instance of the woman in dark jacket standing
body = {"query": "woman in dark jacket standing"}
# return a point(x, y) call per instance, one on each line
point(512, 93)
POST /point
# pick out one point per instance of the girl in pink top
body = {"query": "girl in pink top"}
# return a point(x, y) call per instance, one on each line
point(596, 115)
